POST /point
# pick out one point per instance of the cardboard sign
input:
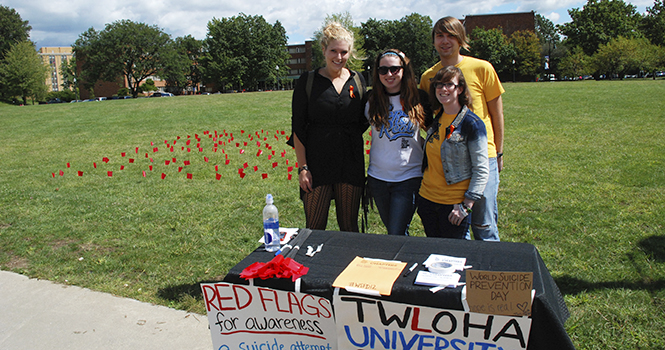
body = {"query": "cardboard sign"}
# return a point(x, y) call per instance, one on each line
point(499, 293)
point(370, 276)
point(364, 323)
point(246, 317)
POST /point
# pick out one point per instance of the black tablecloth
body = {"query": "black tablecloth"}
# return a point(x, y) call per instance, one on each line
point(549, 311)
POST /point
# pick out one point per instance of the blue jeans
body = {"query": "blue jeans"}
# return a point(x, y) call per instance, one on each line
point(485, 215)
point(396, 202)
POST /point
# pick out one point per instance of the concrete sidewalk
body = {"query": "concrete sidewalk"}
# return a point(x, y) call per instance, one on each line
point(37, 314)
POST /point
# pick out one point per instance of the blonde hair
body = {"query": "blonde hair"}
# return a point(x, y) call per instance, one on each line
point(336, 31)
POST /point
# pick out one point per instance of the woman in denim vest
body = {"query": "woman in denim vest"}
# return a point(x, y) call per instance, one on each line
point(455, 166)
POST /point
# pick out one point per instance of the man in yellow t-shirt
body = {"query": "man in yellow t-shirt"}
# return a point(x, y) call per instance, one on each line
point(448, 35)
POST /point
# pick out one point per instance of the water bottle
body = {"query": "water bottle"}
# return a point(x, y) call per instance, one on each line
point(270, 225)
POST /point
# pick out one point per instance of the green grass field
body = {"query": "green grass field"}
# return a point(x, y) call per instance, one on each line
point(584, 181)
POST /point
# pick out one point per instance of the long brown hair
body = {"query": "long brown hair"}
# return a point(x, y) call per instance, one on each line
point(379, 99)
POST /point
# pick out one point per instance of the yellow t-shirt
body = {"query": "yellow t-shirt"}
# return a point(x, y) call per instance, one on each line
point(434, 187)
point(484, 86)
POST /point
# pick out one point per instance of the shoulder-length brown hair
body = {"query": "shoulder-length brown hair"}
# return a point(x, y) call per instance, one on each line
point(379, 101)
point(446, 75)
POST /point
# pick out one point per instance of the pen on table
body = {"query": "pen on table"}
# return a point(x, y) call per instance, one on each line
point(413, 267)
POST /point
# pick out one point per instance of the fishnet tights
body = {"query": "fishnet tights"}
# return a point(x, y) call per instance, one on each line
point(347, 203)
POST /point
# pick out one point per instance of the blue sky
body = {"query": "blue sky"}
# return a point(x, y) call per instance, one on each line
point(60, 22)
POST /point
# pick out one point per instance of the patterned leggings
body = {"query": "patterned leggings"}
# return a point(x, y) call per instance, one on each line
point(347, 202)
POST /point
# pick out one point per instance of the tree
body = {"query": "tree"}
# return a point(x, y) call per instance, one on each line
point(550, 42)
point(411, 34)
point(23, 73)
point(653, 24)
point(192, 48)
point(575, 64)
point(599, 22)
point(13, 29)
point(492, 45)
point(148, 86)
point(178, 64)
point(356, 61)
point(623, 55)
point(527, 54)
point(546, 30)
point(124, 48)
point(244, 51)
point(68, 72)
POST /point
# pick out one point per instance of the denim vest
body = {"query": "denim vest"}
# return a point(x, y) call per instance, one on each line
point(464, 152)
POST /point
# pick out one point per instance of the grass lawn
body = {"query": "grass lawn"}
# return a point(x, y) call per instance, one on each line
point(584, 181)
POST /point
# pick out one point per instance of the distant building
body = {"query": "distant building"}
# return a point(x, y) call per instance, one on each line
point(509, 22)
point(55, 57)
point(301, 59)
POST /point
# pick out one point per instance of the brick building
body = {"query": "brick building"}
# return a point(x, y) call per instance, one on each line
point(301, 59)
point(509, 22)
point(55, 57)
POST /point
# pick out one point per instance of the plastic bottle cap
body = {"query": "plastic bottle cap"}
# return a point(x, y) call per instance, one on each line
point(269, 199)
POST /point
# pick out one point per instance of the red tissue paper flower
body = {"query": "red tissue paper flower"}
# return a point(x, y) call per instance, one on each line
point(278, 267)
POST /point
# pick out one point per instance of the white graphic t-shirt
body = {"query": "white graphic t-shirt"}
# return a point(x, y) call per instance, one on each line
point(396, 153)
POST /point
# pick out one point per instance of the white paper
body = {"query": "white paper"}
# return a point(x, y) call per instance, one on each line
point(425, 278)
point(458, 263)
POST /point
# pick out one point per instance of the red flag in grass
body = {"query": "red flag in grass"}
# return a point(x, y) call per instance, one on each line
point(80, 173)
point(218, 176)
point(109, 173)
point(264, 176)
point(189, 176)
point(163, 176)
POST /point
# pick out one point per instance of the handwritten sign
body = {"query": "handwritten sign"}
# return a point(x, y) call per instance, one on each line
point(373, 276)
point(364, 323)
point(246, 317)
point(499, 293)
